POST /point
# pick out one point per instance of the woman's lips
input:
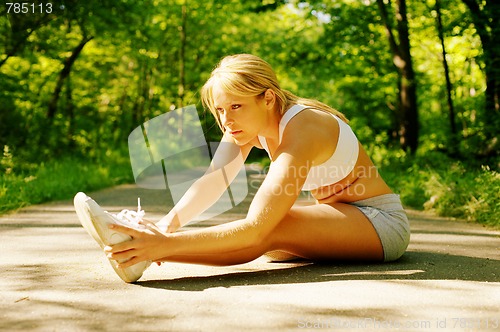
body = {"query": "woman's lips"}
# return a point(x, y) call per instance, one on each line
point(235, 132)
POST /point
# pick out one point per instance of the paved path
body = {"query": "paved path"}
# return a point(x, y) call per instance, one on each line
point(53, 277)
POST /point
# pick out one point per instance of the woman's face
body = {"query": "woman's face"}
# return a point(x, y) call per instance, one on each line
point(242, 117)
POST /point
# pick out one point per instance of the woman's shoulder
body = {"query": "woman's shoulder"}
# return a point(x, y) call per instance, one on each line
point(313, 129)
point(313, 122)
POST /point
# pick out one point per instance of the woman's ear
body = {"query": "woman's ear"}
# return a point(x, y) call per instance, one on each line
point(270, 98)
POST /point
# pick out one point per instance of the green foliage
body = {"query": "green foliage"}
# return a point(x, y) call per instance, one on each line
point(462, 193)
point(448, 187)
point(7, 162)
point(57, 179)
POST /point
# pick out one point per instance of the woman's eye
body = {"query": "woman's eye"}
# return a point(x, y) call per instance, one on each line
point(220, 110)
point(235, 107)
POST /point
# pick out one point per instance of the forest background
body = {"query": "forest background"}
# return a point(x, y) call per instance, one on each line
point(419, 81)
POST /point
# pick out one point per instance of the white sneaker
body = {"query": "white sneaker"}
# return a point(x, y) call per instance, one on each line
point(96, 221)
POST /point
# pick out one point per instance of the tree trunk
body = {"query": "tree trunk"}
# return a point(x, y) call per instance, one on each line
point(70, 111)
point(485, 20)
point(182, 75)
point(182, 51)
point(68, 63)
point(453, 142)
point(408, 126)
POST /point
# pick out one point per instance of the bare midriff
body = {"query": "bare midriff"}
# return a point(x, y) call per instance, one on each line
point(363, 182)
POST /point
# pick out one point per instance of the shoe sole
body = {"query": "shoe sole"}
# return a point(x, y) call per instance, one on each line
point(96, 224)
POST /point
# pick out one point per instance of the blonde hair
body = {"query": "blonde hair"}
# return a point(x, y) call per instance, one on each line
point(248, 75)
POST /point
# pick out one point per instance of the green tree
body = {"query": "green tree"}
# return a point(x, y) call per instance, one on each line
point(485, 15)
point(449, 89)
point(402, 59)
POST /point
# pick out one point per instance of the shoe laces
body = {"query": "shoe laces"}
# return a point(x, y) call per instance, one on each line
point(131, 217)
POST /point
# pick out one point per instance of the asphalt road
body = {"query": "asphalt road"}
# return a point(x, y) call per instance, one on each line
point(53, 277)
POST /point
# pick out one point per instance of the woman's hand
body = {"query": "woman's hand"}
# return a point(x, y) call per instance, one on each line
point(146, 245)
point(172, 223)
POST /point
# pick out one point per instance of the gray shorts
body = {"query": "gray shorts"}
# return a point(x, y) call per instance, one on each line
point(389, 219)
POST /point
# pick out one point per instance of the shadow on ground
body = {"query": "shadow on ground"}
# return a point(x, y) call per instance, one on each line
point(412, 266)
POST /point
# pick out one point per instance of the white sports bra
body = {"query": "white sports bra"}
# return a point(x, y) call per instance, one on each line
point(338, 166)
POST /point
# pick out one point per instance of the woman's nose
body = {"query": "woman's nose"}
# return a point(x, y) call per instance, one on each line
point(225, 119)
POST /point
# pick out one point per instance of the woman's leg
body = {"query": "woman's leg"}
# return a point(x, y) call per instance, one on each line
point(317, 232)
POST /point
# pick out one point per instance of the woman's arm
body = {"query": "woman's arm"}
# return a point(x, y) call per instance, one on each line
point(225, 165)
point(272, 202)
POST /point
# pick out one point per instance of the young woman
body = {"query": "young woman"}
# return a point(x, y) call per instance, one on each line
point(357, 216)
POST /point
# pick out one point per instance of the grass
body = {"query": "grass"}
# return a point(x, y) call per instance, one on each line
point(445, 186)
point(29, 184)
